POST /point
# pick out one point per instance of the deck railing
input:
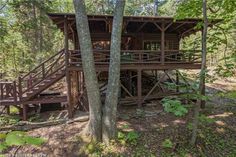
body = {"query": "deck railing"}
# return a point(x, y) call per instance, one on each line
point(8, 90)
point(41, 72)
point(141, 56)
point(15, 91)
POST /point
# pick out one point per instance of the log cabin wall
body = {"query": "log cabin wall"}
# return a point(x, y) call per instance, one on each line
point(171, 40)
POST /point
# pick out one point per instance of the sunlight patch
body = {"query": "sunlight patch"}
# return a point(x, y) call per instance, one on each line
point(225, 114)
point(220, 130)
point(219, 122)
point(179, 121)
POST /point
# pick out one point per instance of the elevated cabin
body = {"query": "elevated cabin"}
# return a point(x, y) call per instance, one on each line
point(150, 48)
point(150, 40)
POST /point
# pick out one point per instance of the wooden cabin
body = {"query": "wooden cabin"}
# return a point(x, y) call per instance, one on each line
point(149, 45)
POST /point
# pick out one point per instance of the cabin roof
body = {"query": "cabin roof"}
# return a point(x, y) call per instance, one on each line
point(134, 24)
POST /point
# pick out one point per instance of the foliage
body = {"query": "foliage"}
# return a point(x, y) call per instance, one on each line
point(167, 143)
point(220, 40)
point(205, 120)
point(18, 138)
point(9, 120)
point(142, 151)
point(227, 70)
point(174, 106)
point(94, 148)
point(128, 138)
point(27, 36)
point(14, 110)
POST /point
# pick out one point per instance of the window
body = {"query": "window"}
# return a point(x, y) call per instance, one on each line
point(152, 45)
point(101, 45)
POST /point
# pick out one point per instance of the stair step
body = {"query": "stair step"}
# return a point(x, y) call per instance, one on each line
point(35, 88)
point(47, 80)
point(29, 93)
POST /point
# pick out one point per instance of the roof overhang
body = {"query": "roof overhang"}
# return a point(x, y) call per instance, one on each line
point(134, 24)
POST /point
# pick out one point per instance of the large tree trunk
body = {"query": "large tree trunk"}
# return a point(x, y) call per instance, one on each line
point(95, 125)
point(111, 101)
point(202, 74)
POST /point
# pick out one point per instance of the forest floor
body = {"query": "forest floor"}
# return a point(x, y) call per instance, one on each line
point(150, 131)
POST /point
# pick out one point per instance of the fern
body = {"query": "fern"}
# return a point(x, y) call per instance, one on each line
point(174, 106)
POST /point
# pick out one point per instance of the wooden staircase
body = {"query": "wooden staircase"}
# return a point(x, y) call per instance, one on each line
point(27, 88)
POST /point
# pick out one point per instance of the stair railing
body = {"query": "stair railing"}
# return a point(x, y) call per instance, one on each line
point(8, 91)
point(41, 72)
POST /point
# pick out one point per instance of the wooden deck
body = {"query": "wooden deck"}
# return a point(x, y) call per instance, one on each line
point(26, 89)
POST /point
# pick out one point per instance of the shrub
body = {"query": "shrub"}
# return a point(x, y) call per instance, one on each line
point(174, 106)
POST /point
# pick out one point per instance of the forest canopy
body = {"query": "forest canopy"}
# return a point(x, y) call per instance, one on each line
point(28, 36)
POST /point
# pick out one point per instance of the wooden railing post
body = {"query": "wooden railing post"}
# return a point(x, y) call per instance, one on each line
point(1, 90)
point(14, 92)
point(140, 56)
point(162, 42)
point(20, 88)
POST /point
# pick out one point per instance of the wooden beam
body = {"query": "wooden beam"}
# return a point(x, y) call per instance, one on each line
point(189, 30)
point(139, 29)
point(68, 79)
point(177, 27)
point(157, 66)
point(160, 28)
point(177, 81)
point(124, 26)
point(24, 111)
point(154, 87)
point(139, 87)
point(162, 43)
point(126, 90)
point(168, 26)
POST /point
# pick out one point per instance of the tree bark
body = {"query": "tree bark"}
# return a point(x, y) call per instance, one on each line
point(111, 101)
point(202, 73)
point(95, 121)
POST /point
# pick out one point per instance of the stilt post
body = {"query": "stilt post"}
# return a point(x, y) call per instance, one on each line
point(139, 85)
point(177, 81)
point(68, 79)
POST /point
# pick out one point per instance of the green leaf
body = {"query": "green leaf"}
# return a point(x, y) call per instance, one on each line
point(167, 143)
point(3, 136)
point(3, 146)
point(15, 138)
point(34, 140)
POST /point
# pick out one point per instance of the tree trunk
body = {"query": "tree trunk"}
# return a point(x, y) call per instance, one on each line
point(202, 74)
point(95, 125)
point(111, 101)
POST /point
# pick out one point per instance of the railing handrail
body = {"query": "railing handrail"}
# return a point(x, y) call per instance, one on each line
point(37, 67)
point(8, 91)
point(141, 56)
point(96, 50)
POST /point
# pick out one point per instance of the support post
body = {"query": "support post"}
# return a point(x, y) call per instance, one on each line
point(177, 81)
point(139, 87)
point(162, 43)
point(24, 107)
point(68, 79)
point(20, 88)
point(8, 110)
